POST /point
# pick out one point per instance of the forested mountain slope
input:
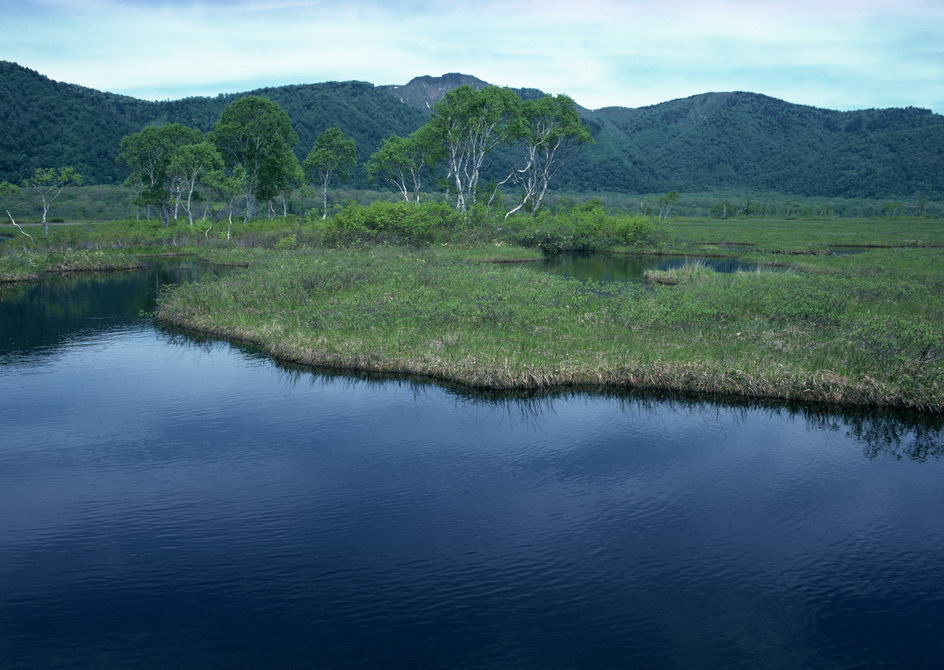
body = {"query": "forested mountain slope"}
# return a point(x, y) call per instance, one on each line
point(47, 123)
point(746, 139)
point(712, 140)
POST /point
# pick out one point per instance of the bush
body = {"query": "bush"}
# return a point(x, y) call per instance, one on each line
point(585, 227)
point(387, 222)
point(634, 231)
point(287, 242)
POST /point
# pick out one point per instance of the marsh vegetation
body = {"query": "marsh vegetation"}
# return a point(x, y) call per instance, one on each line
point(397, 287)
point(867, 331)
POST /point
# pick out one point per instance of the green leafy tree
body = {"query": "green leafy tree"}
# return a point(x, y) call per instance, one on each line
point(48, 184)
point(666, 202)
point(294, 178)
point(334, 153)
point(470, 124)
point(150, 154)
point(227, 189)
point(190, 165)
point(548, 128)
point(891, 208)
point(403, 161)
point(723, 209)
point(255, 134)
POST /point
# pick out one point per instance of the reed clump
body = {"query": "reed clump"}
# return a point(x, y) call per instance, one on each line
point(691, 271)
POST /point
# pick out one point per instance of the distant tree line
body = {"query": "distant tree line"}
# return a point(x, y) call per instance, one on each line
point(108, 202)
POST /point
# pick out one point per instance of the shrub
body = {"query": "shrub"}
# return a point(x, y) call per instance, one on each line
point(585, 227)
point(387, 222)
point(287, 242)
point(634, 231)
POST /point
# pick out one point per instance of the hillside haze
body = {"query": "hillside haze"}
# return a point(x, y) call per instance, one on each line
point(712, 140)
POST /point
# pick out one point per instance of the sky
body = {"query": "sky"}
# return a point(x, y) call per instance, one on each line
point(840, 54)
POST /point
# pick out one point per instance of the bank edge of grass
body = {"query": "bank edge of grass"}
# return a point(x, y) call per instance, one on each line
point(805, 236)
point(21, 265)
point(15, 275)
point(441, 316)
point(491, 253)
point(494, 374)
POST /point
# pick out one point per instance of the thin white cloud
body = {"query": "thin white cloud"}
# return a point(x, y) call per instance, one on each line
point(838, 54)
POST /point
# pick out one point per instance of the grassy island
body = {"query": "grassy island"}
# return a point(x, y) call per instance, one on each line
point(864, 329)
point(840, 311)
point(25, 265)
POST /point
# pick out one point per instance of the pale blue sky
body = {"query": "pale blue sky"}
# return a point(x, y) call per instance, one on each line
point(832, 53)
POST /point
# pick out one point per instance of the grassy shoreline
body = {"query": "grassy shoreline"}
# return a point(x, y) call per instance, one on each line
point(824, 388)
point(23, 266)
point(462, 302)
point(847, 337)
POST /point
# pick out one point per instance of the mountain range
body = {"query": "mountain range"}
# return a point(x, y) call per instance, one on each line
point(731, 140)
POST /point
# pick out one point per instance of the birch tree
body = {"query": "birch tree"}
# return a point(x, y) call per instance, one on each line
point(293, 178)
point(891, 208)
point(149, 154)
point(470, 124)
point(549, 130)
point(334, 154)
point(190, 165)
point(48, 184)
point(7, 191)
point(256, 135)
point(227, 189)
point(672, 197)
point(403, 161)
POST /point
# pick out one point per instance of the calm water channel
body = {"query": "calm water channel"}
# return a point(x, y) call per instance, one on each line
point(628, 267)
point(166, 502)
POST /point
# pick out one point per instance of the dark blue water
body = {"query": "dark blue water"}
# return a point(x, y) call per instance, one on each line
point(629, 267)
point(166, 502)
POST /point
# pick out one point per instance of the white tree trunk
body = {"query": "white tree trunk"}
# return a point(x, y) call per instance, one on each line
point(18, 225)
point(466, 155)
point(178, 193)
point(415, 173)
point(325, 177)
point(250, 207)
point(187, 206)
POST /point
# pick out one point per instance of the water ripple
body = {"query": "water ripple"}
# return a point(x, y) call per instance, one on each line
point(167, 503)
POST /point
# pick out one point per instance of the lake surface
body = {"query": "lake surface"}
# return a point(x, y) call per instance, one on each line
point(628, 267)
point(168, 502)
